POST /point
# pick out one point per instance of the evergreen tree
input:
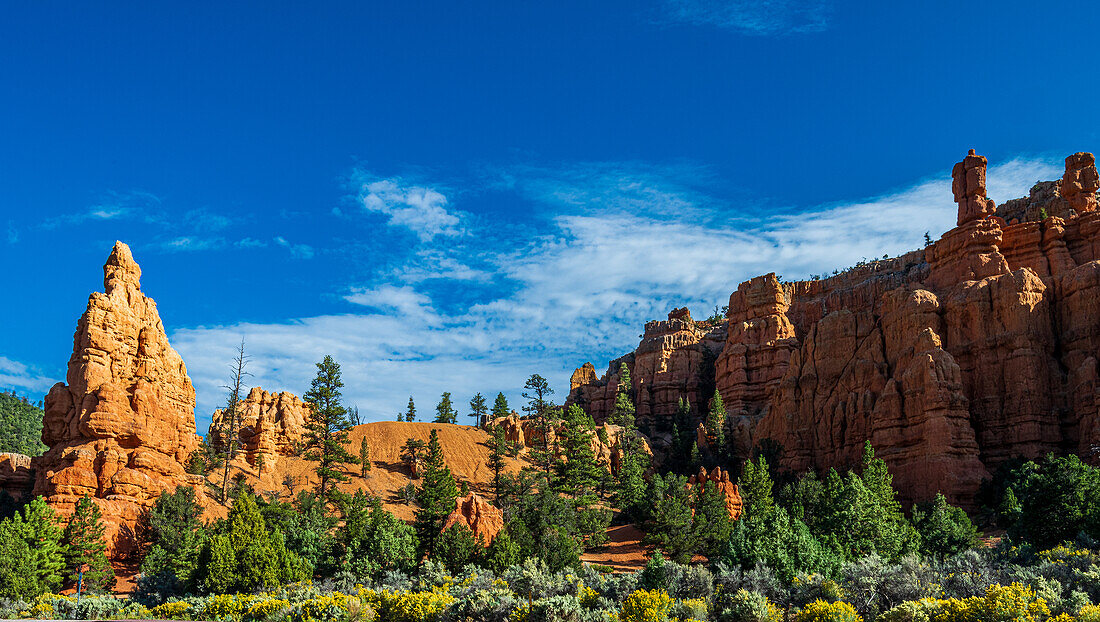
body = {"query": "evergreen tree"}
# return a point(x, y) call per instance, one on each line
point(436, 496)
point(498, 449)
point(412, 452)
point(478, 409)
point(306, 527)
point(682, 436)
point(173, 537)
point(457, 547)
point(327, 426)
point(501, 407)
point(364, 456)
point(374, 541)
point(716, 426)
point(579, 473)
point(444, 411)
point(86, 548)
point(38, 528)
point(18, 573)
point(539, 407)
point(246, 556)
point(623, 411)
point(945, 530)
point(630, 494)
point(20, 425)
point(410, 412)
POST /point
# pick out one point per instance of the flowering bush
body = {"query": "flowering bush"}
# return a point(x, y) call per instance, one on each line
point(646, 606)
point(822, 611)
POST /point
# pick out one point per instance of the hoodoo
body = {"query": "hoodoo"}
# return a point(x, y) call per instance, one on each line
point(123, 426)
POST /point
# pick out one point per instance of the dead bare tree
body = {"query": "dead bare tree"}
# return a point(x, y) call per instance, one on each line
point(229, 429)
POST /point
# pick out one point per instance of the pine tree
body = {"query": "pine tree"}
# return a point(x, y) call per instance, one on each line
point(327, 426)
point(716, 425)
point(410, 412)
point(174, 538)
point(18, 574)
point(436, 496)
point(682, 433)
point(579, 473)
point(444, 411)
point(501, 407)
point(539, 407)
point(247, 556)
point(39, 528)
point(86, 547)
point(412, 451)
point(623, 412)
point(478, 409)
point(498, 449)
point(364, 456)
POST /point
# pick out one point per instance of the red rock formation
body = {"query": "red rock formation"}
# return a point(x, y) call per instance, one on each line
point(484, 519)
point(271, 424)
point(721, 479)
point(674, 360)
point(123, 426)
point(16, 474)
point(950, 360)
point(1080, 182)
point(968, 186)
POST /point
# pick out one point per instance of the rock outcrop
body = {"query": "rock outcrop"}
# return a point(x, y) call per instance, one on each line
point(952, 359)
point(721, 479)
point(674, 360)
point(270, 424)
point(484, 519)
point(123, 426)
point(16, 475)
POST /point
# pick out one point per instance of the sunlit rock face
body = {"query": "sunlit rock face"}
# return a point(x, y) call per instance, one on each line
point(950, 359)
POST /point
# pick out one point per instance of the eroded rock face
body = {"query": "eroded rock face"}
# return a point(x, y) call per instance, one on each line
point(952, 359)
point(271, 424)
point(16, 475)
point(122, 427)
point(674, 360)
point(721, 479)
point(1080, 182)
point(484, 519)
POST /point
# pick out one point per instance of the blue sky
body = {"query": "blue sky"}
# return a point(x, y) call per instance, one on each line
point(452, 196)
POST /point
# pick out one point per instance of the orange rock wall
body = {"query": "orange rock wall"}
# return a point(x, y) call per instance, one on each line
point(951, 359)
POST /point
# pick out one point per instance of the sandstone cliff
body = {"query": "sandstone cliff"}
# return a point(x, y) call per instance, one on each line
point(122, 427)
point(951, 359)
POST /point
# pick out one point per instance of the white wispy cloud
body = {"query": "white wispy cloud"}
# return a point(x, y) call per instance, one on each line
point(616, 249)
point(300, 251)
point(753, 17)
point(136, 205)
point(23, 378)
point(418, 208)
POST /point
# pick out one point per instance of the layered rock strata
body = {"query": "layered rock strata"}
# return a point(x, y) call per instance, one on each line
point(122, 427)
point(952, 359)
point(484, 519)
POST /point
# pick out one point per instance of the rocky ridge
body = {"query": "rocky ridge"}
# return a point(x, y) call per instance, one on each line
point(951, 359)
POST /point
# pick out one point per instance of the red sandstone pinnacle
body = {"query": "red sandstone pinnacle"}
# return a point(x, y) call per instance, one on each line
point(1080, 182)
point(968, 186)
point(124, 425)
point(484, 519)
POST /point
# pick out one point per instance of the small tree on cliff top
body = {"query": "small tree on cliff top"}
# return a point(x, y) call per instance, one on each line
point(478, 409)
point(501, 407)
point(410, 412)
point(86, 547)
point(327, 426)
point(444, 411)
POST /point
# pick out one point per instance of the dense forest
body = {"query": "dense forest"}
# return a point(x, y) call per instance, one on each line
point(20, 425)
